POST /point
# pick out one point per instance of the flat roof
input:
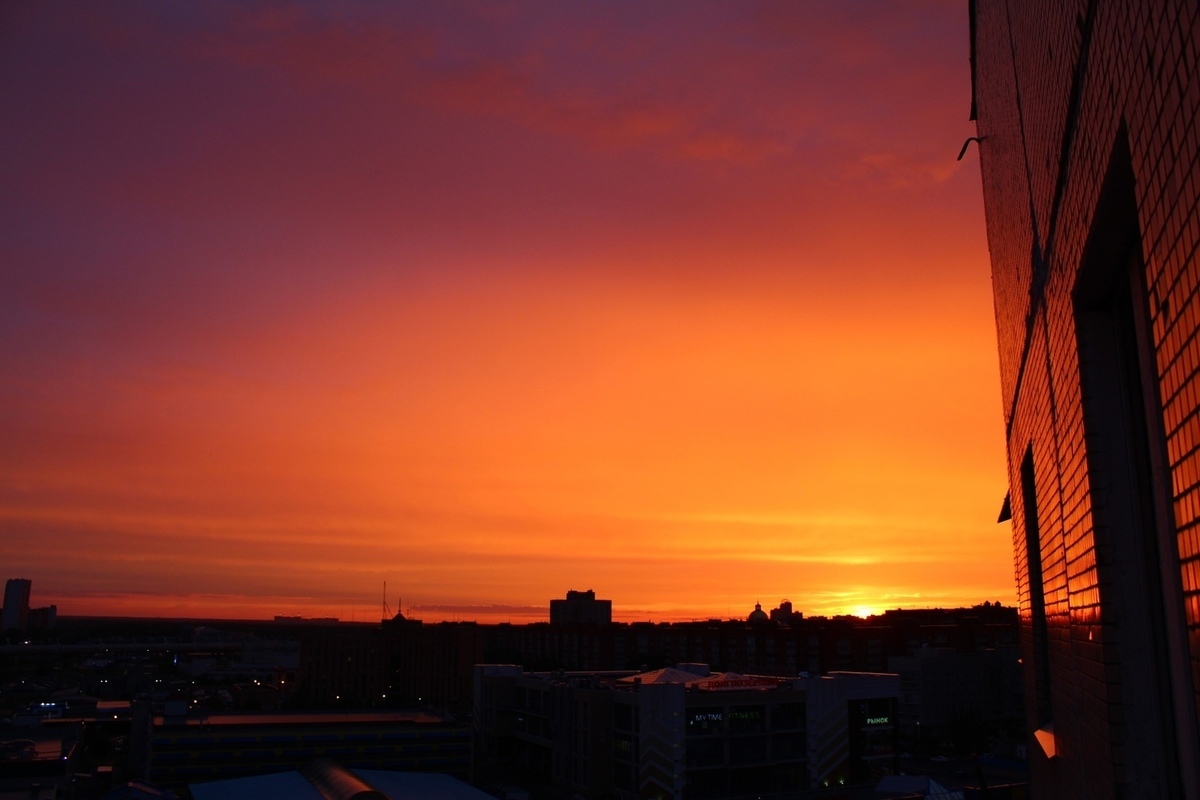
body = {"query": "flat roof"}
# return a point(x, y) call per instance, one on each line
point(278, 785)
point(293, 786)
point(308, 718)
point(37, 742)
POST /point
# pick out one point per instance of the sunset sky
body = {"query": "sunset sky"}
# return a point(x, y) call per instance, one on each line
point(684, 302)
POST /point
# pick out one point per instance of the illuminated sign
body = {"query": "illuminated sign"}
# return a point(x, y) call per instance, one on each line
point(749, 714)
point(737, 683)
point(879, 720)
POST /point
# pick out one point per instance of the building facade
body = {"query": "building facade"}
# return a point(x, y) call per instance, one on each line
point(16, 604)
point(406, 663)
point(960, 701)
point(683, 731)
point(1086, 115)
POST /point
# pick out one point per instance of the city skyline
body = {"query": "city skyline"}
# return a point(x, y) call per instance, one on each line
point(690, 304)
point(496, 613)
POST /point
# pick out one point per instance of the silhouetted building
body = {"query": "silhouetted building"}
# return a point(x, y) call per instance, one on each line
point(433, 665)
point(402, 663)
point(785, 615)
point(345, 666)
point(580, 608)
point(960, 700)
point(415, 664)
point(758, 616)
point(42, 619)
point(1087, 115)
point(16, 604)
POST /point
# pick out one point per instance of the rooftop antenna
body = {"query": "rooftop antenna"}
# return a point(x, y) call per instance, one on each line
point(387, 612)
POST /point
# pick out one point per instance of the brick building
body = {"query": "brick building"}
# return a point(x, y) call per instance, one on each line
point(1086, 113)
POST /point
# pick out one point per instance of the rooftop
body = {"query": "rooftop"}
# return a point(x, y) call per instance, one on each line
point(359, 784)
point(312, 718)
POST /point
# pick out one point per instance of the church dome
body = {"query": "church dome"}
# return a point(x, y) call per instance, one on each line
point(758, 615)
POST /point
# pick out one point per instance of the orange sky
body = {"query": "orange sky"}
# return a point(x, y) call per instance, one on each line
point(685, 303)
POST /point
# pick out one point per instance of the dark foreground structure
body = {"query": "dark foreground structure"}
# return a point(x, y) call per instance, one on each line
point(683, 731)
point(1087, 119)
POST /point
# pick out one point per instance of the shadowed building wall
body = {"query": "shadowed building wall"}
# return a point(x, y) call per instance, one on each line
point(1087, 112)
point(16, 604)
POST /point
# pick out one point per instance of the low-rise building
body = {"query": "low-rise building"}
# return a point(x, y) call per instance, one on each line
point(324, 778)
point(682, 731)
point(219, 746)
point(38, 761)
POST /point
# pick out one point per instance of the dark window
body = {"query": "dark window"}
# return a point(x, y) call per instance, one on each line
point(747, 719)
point(787, 716)
point(1037, 591)
point(1137, 558)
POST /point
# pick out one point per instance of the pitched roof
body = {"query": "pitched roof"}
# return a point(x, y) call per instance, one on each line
point(664, 675)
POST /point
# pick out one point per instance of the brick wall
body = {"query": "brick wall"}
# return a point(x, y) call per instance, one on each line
point(1070, 97)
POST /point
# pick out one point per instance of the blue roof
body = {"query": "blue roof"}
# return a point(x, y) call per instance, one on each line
point(276, 786)
point(294, 786)
point(421, 786)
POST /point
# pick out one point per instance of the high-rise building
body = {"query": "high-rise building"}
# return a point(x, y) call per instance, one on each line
point(580, 608)
point(16, 604)
point(1086, 115)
